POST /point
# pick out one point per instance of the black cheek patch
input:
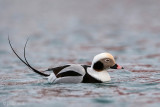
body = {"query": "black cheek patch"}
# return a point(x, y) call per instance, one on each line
point(98, 66)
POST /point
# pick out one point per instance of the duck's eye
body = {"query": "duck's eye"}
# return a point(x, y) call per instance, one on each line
point(107, 60)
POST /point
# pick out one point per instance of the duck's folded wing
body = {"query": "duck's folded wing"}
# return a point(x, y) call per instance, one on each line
point(70, 74)
point(56, 70)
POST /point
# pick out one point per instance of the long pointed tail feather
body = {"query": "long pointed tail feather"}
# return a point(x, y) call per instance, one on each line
point(26, 63)
point(25, 52)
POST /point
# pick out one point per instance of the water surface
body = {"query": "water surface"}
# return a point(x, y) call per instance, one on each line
point(63, 32)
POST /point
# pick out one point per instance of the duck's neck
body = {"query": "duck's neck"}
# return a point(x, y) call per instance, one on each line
point(99, 75)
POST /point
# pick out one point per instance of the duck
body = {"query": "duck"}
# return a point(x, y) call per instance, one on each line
point(77, 73)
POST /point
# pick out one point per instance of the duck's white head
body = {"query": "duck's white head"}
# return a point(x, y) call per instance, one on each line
point(104, 61)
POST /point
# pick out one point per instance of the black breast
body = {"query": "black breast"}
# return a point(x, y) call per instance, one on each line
point(89, 79)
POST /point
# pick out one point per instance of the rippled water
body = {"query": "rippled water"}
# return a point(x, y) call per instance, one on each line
point(64, 32)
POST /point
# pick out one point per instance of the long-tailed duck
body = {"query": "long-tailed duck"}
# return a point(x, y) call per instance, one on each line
point(76, 73)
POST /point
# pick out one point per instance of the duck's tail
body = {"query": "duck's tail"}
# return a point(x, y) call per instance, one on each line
point(26, 62)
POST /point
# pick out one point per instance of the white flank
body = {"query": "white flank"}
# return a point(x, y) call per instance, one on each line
point(51, 78)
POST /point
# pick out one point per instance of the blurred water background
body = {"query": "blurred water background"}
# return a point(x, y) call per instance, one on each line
point(74, 31)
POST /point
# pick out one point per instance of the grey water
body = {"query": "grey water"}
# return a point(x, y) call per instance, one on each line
point(64, 32)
